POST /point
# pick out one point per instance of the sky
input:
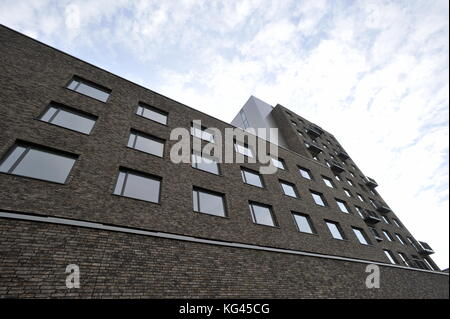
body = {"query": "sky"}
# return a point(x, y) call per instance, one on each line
point(373, 73)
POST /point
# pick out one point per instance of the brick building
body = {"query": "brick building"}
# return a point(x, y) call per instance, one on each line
point(86, 179)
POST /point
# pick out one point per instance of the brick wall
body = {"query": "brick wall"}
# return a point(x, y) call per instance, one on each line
point(34, 257)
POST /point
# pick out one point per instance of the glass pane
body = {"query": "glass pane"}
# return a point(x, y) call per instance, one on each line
point(278, 163)
point(92, 92)
point(387, 235)
point(389, 256)
point(303, 224)
point(72, 84)
point(318, 199)
point(342, 207)
point(205, 164)
point(48, 115)
point(243, 150)
point(155, 116)
point(288, 190)
point(334, 231)
point(305, 174)
point(144, 188)
point(73, 121)
point(11, 159)
point(45, 165)
point(328, 182)
point(262, 215)
point(211, 204)
point(252, 179)
point(195, 200)
point(360, 236)
point(149, 145)
point(119, 184)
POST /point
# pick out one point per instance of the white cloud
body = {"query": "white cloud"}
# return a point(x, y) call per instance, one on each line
point(384, 64)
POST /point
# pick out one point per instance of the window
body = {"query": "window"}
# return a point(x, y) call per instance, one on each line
point(289, 189)
point(138, 185)
point(38, 162)
point(65, 117)
point(412, 242)
point(305, 173)
point(375, 234)
point(202, 133)
point(397, 223)
point(400, 239)
point(361, 235)
point(427, 262)
point(387, 235)
point(304, 224)
point(342, 206)
point(350, 182)
point(293, 123)
point(348, 193)
point(337, 177)
point(244, 119)
point(390, 256)
point(244, 150)
point(262, 214)
point(301, 134)
point(386, 220)
point(205, 163)
point(278, 162)
point(208, 202)
point(152, 113)
point(351, 174)
point(328, 182)
point(251, 177)
point(318, 198)
point(146, 143)
point(404, 258)
point(360, 197)
point(335, 230)
point(359, 211)
point(88, 88)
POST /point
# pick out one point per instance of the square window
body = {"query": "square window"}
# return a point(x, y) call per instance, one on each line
point(387, 235)
point(318, 198)
point(205, 163)
point(244, 150)
point(328, 182)
point(304, 224)
point(208, 202)
point(251, 177)
point(289, 189)
point(335, 230)
point(262, 214)
point(278, 162)
point(342, 206)
point(361, 235)
point(305, 173)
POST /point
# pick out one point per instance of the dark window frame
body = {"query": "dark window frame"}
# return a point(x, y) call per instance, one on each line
point(243, 169)
point(309, 221)
point(90, 83)
point(153, 109)
point(198, 190)
point(272, 214)
point(69, 109)
point(28, 146)
point(127, 171)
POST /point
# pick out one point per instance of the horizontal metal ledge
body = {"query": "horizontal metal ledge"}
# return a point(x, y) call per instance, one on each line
point(99, 226)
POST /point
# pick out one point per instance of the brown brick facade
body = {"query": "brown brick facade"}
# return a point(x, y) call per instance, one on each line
point(32, 75)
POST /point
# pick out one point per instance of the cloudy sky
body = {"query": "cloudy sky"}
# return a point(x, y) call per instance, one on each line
point(382, 64)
